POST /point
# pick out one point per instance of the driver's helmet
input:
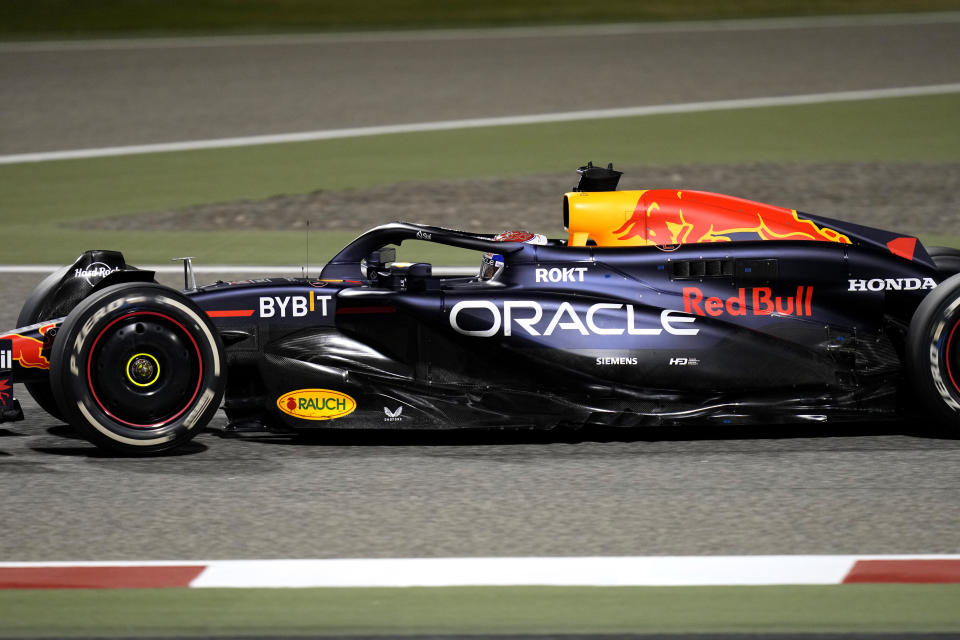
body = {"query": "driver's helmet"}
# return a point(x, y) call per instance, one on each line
point(492, 263)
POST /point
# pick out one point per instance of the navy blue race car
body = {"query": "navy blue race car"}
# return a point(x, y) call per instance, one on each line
point(659, 307)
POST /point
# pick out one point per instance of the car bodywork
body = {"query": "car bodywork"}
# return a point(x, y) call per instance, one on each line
point(660, 307)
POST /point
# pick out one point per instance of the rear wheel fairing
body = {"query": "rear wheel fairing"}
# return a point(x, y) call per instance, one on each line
point(862, 331)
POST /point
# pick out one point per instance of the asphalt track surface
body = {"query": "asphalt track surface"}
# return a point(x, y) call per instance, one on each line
point(880, 488)
point(81, 98)
point(625, 636)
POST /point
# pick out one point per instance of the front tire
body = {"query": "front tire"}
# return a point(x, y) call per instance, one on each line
point(137, 368)
point(933, 353)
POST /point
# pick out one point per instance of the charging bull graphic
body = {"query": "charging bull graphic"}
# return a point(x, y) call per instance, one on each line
point(27, 351)
point(665, 217)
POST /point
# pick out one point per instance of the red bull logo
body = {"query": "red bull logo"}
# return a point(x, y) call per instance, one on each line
point(665, 217)
point(757, 301)
point(28, 351)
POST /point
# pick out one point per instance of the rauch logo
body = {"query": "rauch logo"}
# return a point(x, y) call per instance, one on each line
point(316, 404)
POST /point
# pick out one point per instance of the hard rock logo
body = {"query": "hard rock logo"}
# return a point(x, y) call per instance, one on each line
point(95, 272)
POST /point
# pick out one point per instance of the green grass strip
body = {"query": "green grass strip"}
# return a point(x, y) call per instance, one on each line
point(35, 18)
point(37, 198)
point(904, 129)
point(466, 610)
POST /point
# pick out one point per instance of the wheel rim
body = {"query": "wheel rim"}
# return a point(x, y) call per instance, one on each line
point(144, 370)
point(952, 356)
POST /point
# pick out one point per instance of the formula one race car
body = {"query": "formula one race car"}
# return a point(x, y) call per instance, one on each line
point(660, 307)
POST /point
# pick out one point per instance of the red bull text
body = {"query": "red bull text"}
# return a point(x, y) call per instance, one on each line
point(756, 301)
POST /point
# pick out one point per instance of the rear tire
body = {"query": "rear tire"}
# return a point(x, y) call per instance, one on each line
point(933, 353)
point(137, 368)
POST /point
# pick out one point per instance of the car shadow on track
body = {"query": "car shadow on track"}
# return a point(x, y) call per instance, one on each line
point(475, 437)
point(85, 449)
point(77, 446)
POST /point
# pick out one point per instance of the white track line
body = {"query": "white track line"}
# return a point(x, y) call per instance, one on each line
point(449, 572)
point(446, 125)
point(552, 571)
point(587, 30)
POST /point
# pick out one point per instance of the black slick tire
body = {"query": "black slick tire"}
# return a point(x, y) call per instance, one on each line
point(933, 355)
point(137, 368)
